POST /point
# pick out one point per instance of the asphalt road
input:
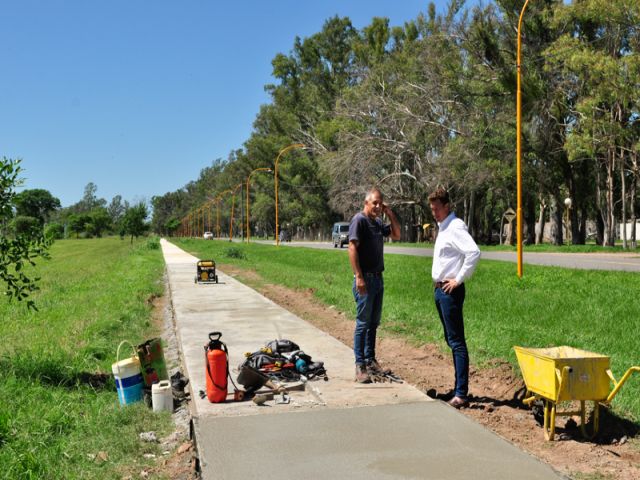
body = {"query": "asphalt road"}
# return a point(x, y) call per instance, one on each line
point(629, 262)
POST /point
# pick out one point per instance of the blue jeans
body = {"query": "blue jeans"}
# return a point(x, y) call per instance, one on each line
point(368, 313)
point(450, 310)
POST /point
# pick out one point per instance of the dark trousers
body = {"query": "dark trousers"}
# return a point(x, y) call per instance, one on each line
point(368, 313)
point(450, 310)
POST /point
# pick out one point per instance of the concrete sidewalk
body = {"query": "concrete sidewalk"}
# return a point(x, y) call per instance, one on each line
point(334, 429)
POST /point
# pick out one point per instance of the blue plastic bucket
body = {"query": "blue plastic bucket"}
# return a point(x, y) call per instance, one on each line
point(128, 377)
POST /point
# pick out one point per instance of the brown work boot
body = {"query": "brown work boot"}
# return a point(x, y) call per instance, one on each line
point(361, 374)
point(458, 402)
point(373, 367)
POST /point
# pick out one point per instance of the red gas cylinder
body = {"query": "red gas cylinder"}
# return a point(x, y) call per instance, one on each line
point(216, 358)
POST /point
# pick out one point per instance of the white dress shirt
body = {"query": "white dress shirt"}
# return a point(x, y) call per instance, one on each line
point(455, 254)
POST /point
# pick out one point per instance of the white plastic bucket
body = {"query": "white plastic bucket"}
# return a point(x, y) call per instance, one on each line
point(128, 377)
point(162, 396)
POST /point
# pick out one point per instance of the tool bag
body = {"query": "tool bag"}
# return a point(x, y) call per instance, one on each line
point(283, 360)
point(282, 346)
point(261, 359)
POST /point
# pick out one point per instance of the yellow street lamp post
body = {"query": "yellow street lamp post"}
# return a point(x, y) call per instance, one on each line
point(519, 145)
point(248, 184)
point(275, 175)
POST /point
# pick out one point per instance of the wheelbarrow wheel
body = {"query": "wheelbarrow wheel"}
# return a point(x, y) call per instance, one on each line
point(549, 420)
point(595, 420)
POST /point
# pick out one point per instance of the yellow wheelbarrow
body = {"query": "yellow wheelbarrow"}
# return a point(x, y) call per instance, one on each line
point(560, 374)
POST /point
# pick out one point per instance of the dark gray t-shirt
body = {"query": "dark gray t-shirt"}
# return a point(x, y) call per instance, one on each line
point(370, 236)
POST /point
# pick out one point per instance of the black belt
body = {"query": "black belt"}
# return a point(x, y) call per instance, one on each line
point(372, 274)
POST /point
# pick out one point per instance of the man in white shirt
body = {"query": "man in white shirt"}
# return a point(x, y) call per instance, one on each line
point(455, 257)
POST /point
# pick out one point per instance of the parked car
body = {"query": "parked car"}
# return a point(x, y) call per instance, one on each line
point(208, 236)
point(340, 234)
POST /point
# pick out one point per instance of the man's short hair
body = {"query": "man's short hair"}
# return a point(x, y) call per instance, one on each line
point(372, 191)
point(440, 194)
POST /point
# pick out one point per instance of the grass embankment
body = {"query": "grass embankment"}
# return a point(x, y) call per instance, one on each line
point(592, 310)
point(53, 422)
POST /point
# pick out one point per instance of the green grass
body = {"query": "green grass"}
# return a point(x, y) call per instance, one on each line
point(593, 476)
point(567, 248)
point(592, 310)
point(94, 293)
point(543, 248)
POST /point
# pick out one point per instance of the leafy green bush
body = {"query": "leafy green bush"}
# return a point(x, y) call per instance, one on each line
point(23, 225)
point(153, 242)
point(234, 252)
point(54, 231)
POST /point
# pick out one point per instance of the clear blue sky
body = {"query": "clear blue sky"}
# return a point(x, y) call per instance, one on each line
point(137, 96)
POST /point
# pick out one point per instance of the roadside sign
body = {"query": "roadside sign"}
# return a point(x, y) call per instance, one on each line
point(510, 215)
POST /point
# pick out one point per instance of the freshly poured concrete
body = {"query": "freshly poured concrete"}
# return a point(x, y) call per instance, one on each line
point(334, 429)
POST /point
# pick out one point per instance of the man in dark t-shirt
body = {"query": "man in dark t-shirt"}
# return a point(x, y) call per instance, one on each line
point(366, 242)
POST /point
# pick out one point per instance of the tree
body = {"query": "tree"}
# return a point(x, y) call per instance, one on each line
point(89, 200)
point(100, 221)
point(77, 223)
point(25, 225)
point(597, 55)
point(20, 250)
point(431, 103)
point(133, 222)
point(171, 225)
point(37, 203)
point(54, 231)
point(169, 206)
point(117, 208)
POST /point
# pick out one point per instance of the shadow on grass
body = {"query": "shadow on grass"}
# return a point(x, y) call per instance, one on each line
point(53, 372)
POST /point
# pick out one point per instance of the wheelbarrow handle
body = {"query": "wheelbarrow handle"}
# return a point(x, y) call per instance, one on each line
point(618, 385)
